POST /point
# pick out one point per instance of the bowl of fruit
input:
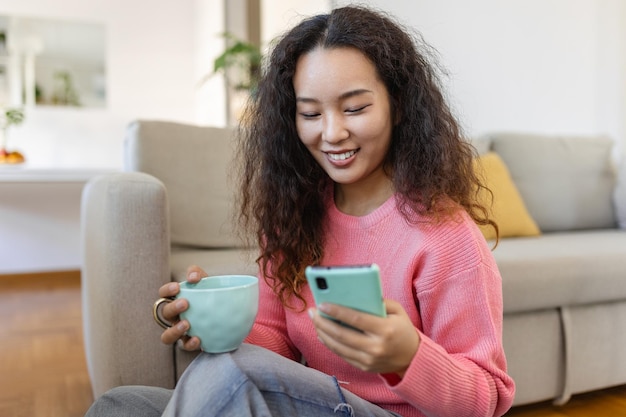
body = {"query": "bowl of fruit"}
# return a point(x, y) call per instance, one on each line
point(11, 157)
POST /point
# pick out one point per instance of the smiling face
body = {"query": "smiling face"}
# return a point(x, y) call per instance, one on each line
point(343, 116)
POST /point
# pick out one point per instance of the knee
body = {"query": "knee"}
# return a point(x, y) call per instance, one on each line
point(131, 401)
point(108, 402)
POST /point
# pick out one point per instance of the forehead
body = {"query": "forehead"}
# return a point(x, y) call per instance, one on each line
point(337, 68)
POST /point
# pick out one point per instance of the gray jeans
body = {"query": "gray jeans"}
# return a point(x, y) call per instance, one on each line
point(250, 381)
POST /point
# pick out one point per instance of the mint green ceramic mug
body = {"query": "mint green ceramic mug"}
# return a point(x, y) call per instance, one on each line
point(221, 310)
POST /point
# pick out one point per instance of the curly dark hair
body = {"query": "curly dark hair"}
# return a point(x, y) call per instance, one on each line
point(283, 187)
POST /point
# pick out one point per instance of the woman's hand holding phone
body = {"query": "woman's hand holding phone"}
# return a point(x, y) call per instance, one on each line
point(171, 312)
point(383, 344)
point(354, 322)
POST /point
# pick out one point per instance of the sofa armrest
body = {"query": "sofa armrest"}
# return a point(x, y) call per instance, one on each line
point(126, 248)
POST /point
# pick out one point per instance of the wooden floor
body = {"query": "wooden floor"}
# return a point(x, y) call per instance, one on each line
point(43, 372)
point(607, 403)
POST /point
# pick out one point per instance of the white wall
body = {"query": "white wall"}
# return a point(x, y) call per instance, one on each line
point(535, 65)
point(156, 53)
point(280, 15)
point(555, 66)
point(531, 65)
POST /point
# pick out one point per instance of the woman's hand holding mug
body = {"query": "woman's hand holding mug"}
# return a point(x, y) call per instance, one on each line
point(213, 313)
point(171, 312)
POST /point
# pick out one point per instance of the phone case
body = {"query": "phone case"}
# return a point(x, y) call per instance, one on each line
point(354, 286)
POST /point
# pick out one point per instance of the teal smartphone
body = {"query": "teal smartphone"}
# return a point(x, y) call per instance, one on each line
point(354, 286)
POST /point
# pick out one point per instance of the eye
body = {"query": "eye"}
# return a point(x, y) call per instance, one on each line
point(357, 109)
point(309, 115)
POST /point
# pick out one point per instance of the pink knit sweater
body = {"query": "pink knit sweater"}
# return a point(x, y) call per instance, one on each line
point(448, 283)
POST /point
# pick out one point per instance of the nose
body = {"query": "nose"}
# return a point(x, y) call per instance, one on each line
point(334, 129)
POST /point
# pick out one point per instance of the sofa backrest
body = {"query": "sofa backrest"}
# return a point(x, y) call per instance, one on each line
point(194, 163)
point(566, 182)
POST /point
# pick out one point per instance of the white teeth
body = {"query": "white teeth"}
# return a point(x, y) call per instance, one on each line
point(341, 156)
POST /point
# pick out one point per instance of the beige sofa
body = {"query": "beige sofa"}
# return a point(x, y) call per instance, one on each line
point(564, 290)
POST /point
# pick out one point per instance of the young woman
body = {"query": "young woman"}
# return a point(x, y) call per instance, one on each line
point(350, 155)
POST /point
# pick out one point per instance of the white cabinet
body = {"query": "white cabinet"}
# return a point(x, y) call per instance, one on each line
point(40, 219)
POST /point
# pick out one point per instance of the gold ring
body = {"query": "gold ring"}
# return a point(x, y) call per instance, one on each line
point(155, 312)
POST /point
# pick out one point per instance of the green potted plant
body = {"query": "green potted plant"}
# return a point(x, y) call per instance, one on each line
point(9, 117)
point(240, 63)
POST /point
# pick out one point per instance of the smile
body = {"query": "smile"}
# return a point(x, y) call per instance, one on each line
point(342, 156)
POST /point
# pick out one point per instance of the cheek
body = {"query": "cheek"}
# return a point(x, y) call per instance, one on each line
point(376, 130)
point(306, 133)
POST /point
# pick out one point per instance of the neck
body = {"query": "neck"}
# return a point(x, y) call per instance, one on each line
point(363, 198)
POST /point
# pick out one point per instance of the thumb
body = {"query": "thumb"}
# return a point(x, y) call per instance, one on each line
point(393, 307)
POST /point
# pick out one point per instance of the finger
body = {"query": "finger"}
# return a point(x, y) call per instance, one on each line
point(195, 274)
point(190, 343)
point(336, 336)
point(340, 339)
point(172, 310)
point(387, 348)
point(344, 342)
point(172, 334)
point(393, 307)
point(357, 319)
point(169, 290)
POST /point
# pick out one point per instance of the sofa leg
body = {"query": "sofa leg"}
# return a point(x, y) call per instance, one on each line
point(566, 328)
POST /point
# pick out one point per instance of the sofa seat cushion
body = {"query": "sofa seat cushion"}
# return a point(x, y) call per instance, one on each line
point(213, 261)
point(562, 269)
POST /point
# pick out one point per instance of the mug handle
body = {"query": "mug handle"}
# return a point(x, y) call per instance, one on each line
point(155, 312)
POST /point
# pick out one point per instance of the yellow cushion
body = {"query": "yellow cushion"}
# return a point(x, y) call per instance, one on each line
point(508, 209)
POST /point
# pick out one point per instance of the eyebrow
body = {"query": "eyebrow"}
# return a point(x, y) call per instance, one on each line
point(343, 96)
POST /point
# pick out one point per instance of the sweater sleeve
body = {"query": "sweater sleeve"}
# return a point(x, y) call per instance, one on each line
point(460, 368)
point(270, 327)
